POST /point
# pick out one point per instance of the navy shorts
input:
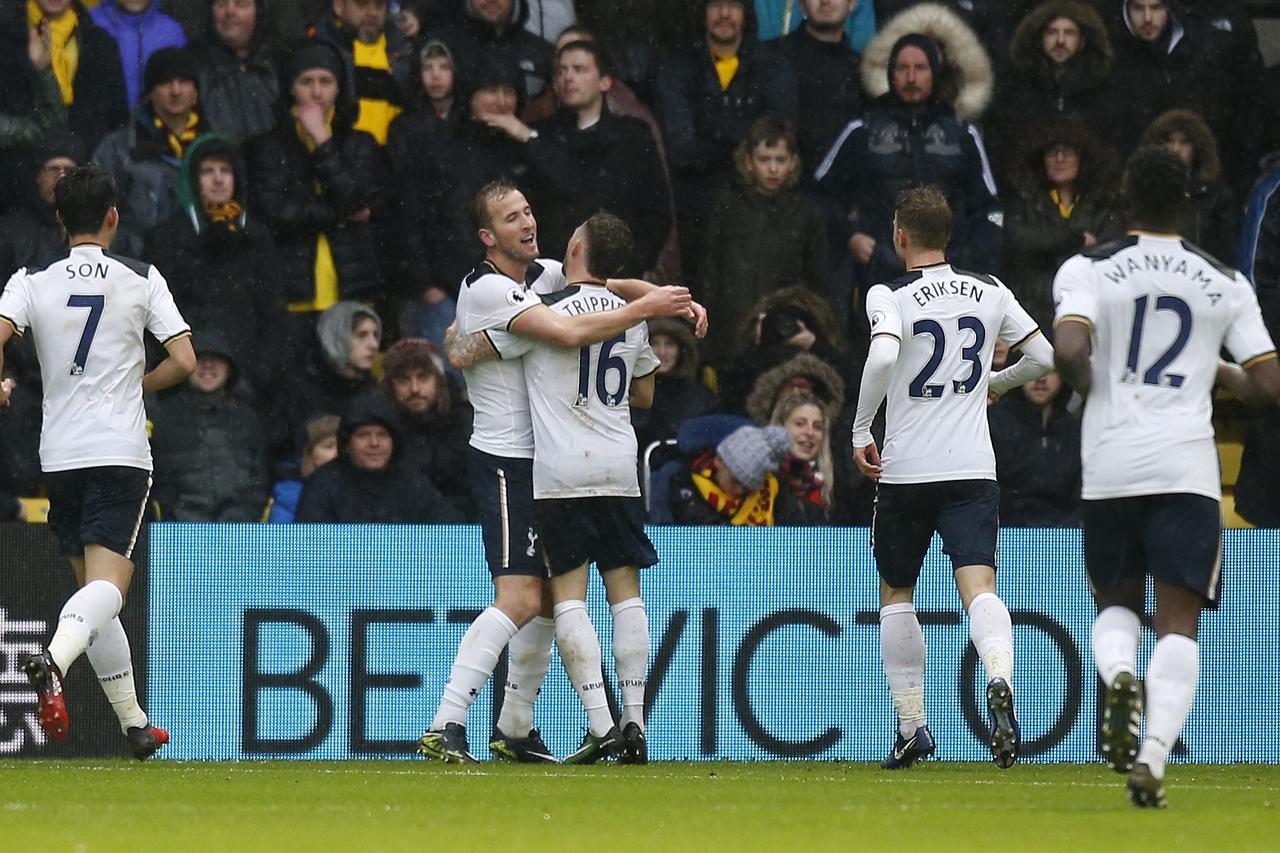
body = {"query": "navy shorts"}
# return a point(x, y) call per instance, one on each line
point(97, 506)
point(502, 489)
point(1174, 538)
point(965, 513)
point(606, 531)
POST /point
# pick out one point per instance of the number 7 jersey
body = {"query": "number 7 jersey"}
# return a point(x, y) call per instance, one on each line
point(947, 321)
point(1159, 311)
point(88, 311)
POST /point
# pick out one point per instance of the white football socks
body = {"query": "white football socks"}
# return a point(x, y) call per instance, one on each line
point(111, 659)
point(1171, 688)
point(477, 657)
point(1115, 642)
point(85, 613)
point(902, 648)
point(580, 653)
point(991, 630)
point(631, 656)
point(528, 659)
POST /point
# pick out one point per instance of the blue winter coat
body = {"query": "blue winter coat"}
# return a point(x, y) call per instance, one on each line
point(138, 36)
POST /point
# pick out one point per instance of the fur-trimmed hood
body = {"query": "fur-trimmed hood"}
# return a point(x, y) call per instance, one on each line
point(1208, 166)
point(827, 385)
point(679, 331)
point(968, 79)
point(797, 299)
point(1098, 165)
point(1026, 52)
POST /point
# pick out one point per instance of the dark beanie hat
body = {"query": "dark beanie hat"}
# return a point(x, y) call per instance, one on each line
point(314, 54)
point(930, 51)
point(170, 63)
point(59, 142)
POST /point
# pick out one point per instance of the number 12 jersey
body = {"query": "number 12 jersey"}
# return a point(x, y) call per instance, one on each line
point(947, 321)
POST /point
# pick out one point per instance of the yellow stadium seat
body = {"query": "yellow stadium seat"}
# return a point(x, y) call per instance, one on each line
point(35, 510)
point(1229, 453)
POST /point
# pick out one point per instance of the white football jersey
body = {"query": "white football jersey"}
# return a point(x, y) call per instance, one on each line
point(584, 445)
point(1159, 311)
point(489, 302)
point(88, 311)
point(936, 418)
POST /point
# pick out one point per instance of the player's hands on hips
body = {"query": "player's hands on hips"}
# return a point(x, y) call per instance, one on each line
point(6, 390)
point(698, 315)
point(868, 461)
point(669, 301)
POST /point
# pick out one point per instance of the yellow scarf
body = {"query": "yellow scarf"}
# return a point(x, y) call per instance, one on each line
point(375, 115)
point(754, 510)
point(1064, 210)
point(66, 47)
point(726, 68)
point(228, 212)
point(178, 142)
point(326, 271)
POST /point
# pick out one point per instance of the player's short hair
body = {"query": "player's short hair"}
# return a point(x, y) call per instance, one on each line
point(492, 191)
point(82, 197)
point(609, 245)
point(923, 212)
point(603, 63)
point(1156, 185)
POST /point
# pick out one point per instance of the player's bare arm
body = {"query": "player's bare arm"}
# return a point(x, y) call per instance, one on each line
point(179, 364)
point(546, 325)
point(632, 289)
point(1071, 354)
point(7, 386)
point(463, 351)
point(642, 390)
point(1256, 385)
point(1036, 361)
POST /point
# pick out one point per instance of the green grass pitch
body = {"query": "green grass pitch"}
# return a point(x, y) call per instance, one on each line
point(708, 807)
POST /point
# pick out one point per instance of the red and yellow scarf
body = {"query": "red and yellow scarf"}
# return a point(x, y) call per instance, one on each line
point(756, 509)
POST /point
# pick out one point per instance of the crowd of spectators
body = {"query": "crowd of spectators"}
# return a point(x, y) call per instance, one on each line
point(301, 171)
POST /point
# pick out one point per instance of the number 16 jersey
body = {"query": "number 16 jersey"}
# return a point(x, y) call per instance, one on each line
point(88, 311)
point(1159, 312)
point(947, 321)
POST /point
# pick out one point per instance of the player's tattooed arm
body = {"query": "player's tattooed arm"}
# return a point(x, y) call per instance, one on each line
point(463, 351)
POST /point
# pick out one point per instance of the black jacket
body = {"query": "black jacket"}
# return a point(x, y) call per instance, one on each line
point(439, 447)
point(829, 82)
point(474, 41)
point(283, 178)
point(27, 236)
point(612, 165)
point(238, 96)
point(1038, 464)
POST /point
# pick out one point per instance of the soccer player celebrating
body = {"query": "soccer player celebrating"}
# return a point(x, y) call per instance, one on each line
point(502, 295)
point(1140, 323)
point(89, 310)
point(933, 333)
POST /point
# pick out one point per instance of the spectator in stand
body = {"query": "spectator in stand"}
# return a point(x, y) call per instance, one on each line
point(1060, 61)
point(585, 159)
point(375, 58)
point(338, 369)
point(803, 373)
point(218, 258)
point(1213, 218)
point(708, 96)
point(30, 102)
point(85, 62)
point(316, 182)
point(434, 419)
point(493, 31)
point(210, 457)
point(736, 482)
point(679, 393)
point(1063, 203)
point(778, 18)
point(239, 73)
point(1037, 445)
point(32, 232)
point(319, 446)
point(1257, 491)
point(827, 73)
point(459, 163)
point(763, 234)
point(807, 467)
point(912, 134)
point(140, 29)
point(782, 325)
point(145, 157)
point(370, 482)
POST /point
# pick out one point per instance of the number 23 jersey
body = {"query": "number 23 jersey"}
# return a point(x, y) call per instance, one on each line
point(947, 321)
point(88, 311)
point(1159, 312)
